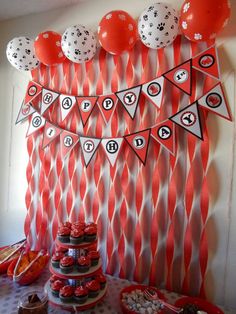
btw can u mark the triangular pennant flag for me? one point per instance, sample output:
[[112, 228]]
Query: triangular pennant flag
[[66, 105], [181, 76], [25, 111], [207, 62], [214, 100], [36, 123], [164, 133], [50, 133], [129, 99], [48, 98], [153, 90], [33, 90], [107, 105], [89, 146], [67, 141], [139, 142], [86, 106], [112, 147], [189, 119]]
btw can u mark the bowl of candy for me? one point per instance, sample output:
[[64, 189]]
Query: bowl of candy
[[33, 302]]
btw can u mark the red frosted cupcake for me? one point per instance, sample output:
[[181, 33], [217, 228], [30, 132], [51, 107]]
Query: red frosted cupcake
[[78, 225], [63, 234], [90, 233], [66, 224], [94, 256], [56, 286], [102, 280], [81, 294], [61, 249], [56, 259], [67, 264], [83, 264], [76, 236], [93, 287], [54, 278], [66, 293]]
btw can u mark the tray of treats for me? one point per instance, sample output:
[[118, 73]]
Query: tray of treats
[[192, 305]]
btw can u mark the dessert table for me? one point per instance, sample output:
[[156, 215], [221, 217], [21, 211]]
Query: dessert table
[[10, 293]]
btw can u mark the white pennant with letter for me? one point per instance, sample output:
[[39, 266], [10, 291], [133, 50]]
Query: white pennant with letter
[[36, 123], [112, 147], [129, 99], [153, 90], [48, 98], [66, 105], [89, 147]]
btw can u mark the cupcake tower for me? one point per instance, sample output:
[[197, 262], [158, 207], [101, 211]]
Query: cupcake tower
[[77, 280]]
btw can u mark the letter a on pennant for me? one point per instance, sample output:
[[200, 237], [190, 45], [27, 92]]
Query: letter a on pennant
[[33, 90], [112, 147], [66, 105], [36, 123], [68, 141], [153, 90], [214, 100], [129, 99], [48, 98], [164, 133], [181, 76], [89, 146], [107, 105], [189, 119], [50, 133], [139, 142], [207, 62], [86, 106]]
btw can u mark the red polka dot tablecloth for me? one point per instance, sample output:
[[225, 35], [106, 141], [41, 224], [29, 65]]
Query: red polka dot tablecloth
[[10, 293]]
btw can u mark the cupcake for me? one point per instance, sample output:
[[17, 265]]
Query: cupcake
[[56, 286], [81, 294], [67, 264], [83, 264], [90, 233], [61, 249], [93, 287], [78, 225], [76, 236], [63, 234], [94, 256], [66, 224], [66, 293], [56, 259], [102, 280], [54, 278]]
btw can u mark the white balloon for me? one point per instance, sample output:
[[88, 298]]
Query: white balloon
[[79, 44], [158, 25], [20, 53]]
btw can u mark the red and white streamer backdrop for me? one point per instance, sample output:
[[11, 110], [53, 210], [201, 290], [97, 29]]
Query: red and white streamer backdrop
[[151, 219]]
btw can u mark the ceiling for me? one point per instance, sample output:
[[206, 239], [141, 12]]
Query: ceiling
[[13, 8]]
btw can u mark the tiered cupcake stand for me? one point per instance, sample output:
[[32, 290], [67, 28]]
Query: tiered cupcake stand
[[76, 278]]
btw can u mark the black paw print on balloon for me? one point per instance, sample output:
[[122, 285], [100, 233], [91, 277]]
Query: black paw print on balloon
[[150, 33], [155, 13], [14, 55], [150, 8], [151, 24], [27, 51], [144, 37], [75, 42], [145, 17], [83, 43], [161, 26], [166, 17], [86, 33], [166, 34], [157, 39], [175, 19], [77, 52], [79, 33], [169, 13], [172, 27]]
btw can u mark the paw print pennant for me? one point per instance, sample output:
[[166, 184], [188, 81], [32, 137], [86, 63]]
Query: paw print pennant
[[189, 119], [33, 90], [25, 111], [129, 99], [153, 90], [181, 76], [164, 133]]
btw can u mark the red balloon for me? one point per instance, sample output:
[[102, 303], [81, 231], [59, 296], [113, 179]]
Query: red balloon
[[117, 32], [201, 20], [47, 47]]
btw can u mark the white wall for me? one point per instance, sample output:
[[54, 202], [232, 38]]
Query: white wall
[[13, 154]]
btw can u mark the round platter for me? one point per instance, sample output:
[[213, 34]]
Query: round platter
[[68, 245], [202, 304], [75, 274], [91, 302]]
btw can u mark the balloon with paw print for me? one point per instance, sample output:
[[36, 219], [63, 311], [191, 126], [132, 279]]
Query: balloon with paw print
[[158, 25], [20, 53], [79, 44]]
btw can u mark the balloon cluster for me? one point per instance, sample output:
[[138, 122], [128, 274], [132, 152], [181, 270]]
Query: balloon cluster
[[157, 27]]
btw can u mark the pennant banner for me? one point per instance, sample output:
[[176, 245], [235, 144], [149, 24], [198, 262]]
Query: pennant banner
[[66, 105], [164, 133], [86, 106], [36, 123], [154, 90], [129, 99], [25, 111], [48, 98], [67, 141], [112, 147], [107, 105], [33, 90], [51, 132], [89, 147]]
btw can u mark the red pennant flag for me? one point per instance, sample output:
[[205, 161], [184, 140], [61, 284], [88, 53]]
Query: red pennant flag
[[36, 123], [107, 105], [50, 133], [189, 119], [164, 133], [181, 76], [33, 90], [207, 62], [67, 141], [214, 100], [86, 106], [139, 142], [25, 111]]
